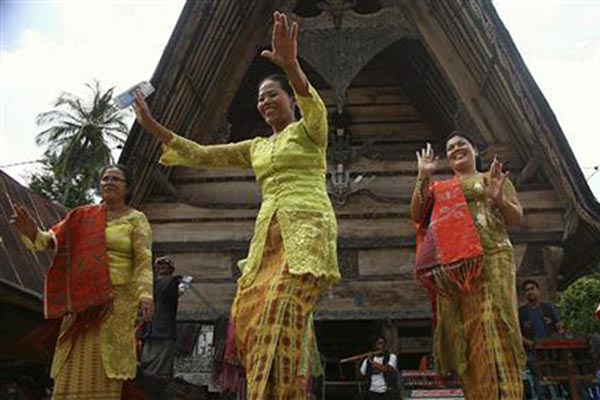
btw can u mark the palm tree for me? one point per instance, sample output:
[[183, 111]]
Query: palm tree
[[45, 184], [81, 134]]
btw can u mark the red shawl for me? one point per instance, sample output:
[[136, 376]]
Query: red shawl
[[449, 256], [78, 278]]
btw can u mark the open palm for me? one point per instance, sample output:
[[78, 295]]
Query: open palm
[[495, 183], [284, 45], [426, 161], [23, 223]]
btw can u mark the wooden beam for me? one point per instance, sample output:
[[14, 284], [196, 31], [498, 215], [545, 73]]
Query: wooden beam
[[415, 345], [552, 257], [519, 251], [326, 315], [528, 171], [456, 69], [163, 182], [381, 242], [571, 222]]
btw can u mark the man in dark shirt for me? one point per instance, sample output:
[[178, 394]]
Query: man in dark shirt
[[158, 349], [538, 321]]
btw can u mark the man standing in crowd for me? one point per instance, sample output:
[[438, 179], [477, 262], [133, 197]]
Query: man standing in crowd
[[380, 370], [158, 349], [538, 321]]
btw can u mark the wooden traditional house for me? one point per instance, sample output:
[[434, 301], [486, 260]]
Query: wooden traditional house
[[394, 74]]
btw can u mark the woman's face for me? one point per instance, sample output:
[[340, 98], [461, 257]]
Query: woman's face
[[461, 154], [113, 186], [275, 105]]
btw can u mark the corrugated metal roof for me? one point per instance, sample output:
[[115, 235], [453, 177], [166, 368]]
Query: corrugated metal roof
[[20, 267]]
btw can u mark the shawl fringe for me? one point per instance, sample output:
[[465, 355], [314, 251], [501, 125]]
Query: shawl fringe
[[449, 255]]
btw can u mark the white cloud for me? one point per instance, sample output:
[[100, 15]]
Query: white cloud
[[560, 42], [119, 43]]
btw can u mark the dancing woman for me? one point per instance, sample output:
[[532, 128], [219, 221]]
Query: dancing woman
[[465, 262], [101, 273], [292, 257]]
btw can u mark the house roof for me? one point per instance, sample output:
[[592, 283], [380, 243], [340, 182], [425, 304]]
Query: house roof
[[214, 44], [22, 271]]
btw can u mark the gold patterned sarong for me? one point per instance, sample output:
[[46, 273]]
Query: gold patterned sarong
[[477, 335], [82, 376], [274, 334]]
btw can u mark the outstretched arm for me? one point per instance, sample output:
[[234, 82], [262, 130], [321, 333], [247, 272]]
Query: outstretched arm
[[187, 153], [33, 237]]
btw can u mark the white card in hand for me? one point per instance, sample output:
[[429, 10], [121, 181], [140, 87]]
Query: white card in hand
[[125, 99]]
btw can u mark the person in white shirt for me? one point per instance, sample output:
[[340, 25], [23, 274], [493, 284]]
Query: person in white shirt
[[380, 370]]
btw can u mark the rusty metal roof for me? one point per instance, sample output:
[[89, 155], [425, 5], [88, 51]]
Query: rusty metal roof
[[21, 268]]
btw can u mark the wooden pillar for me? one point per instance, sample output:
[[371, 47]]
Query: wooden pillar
[[552, 257], [389, 330]]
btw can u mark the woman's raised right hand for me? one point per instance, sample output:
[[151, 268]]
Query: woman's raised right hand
[[23, 223], [426, 162], [142, 112]]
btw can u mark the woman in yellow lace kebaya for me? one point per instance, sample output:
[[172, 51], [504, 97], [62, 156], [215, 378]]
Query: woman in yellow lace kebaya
[[292, 256], [465, 261], [101, 273]]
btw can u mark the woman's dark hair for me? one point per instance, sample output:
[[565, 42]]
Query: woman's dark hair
[[126, 174], [283, 82], [473, 142]]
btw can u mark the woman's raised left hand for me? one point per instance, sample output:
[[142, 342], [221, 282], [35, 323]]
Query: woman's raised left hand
[[494, 183], [284, 44]]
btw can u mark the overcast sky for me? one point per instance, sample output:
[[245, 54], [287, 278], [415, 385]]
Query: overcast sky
[[50, 46]]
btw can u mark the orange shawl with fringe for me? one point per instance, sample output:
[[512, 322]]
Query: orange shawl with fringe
[[449, 255], [78, 279]]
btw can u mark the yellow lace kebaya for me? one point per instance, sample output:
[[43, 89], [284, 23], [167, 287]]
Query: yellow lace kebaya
[[128, 246], [290, 169]]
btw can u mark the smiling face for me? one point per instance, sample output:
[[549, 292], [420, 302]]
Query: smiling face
[[461, 154], [113, 185], [275, 105]]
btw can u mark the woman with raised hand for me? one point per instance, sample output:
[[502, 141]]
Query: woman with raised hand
[[292, 256], [465, 261], [101, 274]]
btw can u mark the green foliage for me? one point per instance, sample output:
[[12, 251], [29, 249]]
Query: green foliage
[[577, 305], [79, 135], [46, 184]]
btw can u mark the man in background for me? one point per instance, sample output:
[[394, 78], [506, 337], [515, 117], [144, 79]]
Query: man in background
[[158, 349], [381, 371], [538, 321]]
